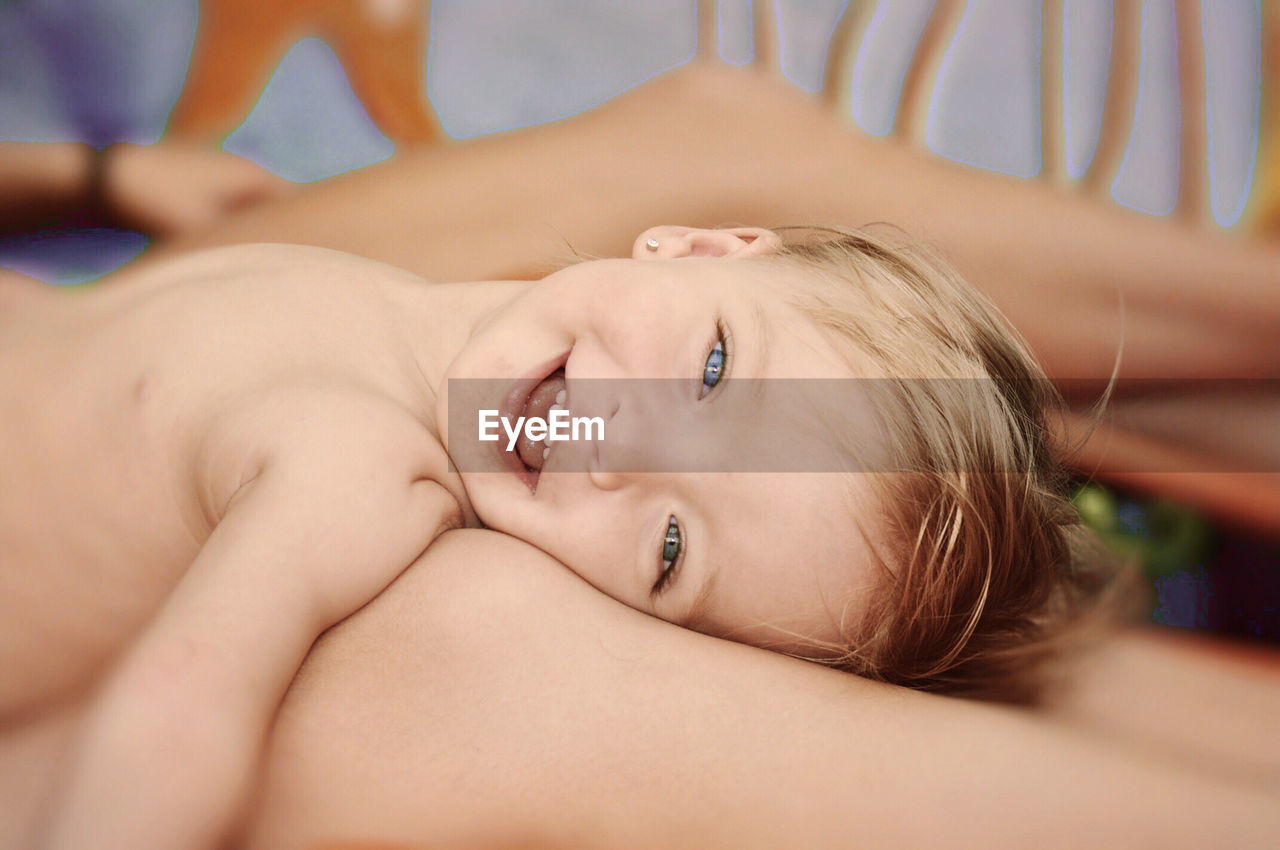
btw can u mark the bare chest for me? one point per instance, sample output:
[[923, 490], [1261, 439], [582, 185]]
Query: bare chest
[[97, 515], [121, 439]]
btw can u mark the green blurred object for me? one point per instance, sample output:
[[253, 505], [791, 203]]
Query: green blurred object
[[1164, 536], [1097, 507]]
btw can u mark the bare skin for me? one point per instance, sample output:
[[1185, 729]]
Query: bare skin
[[262, 466], [103, 434], [569, 720], [572, 713]]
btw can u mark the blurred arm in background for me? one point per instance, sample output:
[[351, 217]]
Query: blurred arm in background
[[165, 189]]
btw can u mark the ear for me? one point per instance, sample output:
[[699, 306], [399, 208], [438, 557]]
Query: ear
[[674, 242]]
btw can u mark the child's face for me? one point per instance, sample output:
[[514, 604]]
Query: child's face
[[752, 556]]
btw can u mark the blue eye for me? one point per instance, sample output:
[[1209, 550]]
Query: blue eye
[[672, 546], [713, 370]]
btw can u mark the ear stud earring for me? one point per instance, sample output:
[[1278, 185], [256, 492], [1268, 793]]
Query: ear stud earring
[[651, 244]]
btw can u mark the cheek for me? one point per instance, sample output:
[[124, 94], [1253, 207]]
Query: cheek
[[593, 546], [634, 316], [514, 513]]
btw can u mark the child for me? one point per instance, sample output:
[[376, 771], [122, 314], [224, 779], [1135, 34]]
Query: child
[[283, 419]]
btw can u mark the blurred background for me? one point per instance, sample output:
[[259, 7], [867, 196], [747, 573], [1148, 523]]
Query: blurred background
[[308, 89], [104, 71]]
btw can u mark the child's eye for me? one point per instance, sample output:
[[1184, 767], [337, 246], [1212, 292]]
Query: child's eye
[[672, 547], [713, 369]]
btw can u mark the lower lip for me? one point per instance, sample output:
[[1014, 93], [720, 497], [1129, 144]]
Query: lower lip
[[513, 406]]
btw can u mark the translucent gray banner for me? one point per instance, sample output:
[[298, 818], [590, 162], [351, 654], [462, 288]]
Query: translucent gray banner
[[857, 425]]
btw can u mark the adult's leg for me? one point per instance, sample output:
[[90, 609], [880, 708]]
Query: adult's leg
[[490, 698], [1206, 703], [709, 145]]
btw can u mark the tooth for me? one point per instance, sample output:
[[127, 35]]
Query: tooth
[[560, 398], [546, 452], [555, 406]]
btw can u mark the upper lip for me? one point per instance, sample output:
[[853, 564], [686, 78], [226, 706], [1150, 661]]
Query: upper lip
[[518, 396]]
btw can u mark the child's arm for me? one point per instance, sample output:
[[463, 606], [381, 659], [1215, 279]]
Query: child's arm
[[170, 749]]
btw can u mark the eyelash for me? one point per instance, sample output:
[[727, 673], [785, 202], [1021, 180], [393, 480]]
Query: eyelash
[[674, 533], [724, 340]]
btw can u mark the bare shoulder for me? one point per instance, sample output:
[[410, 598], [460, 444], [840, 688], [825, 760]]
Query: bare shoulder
[[352, 485], [335, 429], [326, 436]]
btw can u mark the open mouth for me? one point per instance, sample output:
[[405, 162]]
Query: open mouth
[[530, 398]]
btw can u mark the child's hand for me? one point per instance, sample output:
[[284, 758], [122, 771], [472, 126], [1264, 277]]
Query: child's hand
[[171, 188]]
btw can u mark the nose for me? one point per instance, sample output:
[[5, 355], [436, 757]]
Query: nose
[[641, 434], [616, 457], [604, 479], [613, 468]]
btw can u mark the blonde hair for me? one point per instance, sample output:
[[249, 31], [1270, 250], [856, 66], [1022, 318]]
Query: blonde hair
[[989, 579]]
